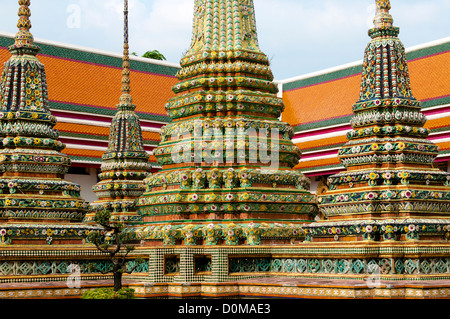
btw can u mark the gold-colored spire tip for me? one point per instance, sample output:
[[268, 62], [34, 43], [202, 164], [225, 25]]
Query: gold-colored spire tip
[[383, 18], [24, 35], [383, 4], [24, 15]]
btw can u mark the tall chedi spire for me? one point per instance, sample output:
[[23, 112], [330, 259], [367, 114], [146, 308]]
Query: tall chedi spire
[[390, 177], [36, 203], [125, 163], [227, 159]]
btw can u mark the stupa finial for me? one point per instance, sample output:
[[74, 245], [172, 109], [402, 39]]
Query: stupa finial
[[126, 99], [383, 18], [24, 23], [24, 36], [384, 4]]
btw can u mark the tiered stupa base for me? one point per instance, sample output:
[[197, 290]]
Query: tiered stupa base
[[224, 207], [302, 270], [364, 270]]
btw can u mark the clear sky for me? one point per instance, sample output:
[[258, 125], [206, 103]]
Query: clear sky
[[299, 36]]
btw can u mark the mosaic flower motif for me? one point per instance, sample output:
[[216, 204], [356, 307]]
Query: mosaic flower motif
[[387, 175], [388, 147], [408, 194], [403, 175]]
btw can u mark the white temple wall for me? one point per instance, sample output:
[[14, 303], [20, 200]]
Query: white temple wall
[[86, 180]]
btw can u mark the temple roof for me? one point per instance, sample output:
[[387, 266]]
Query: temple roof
[[75, 75]]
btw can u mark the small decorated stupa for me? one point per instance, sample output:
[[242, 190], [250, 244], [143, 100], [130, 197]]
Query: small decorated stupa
[[37, 205], [390, 190], [227, 159], [125, 164]]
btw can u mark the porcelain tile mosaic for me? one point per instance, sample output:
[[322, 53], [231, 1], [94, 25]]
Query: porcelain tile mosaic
[[227, 160]]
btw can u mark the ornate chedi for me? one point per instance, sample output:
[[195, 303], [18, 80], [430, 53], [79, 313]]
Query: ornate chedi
[[36, 204], [228, 161], [125, 163], [390, 191]]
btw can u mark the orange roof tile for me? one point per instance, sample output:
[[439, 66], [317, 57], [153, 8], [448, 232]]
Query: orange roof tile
[[4, 55], [98, 130], [438, 123], [317, 163], [323, 101], [83, 153], [95, 85], [444, 146], [429, 76], [338, 140]]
